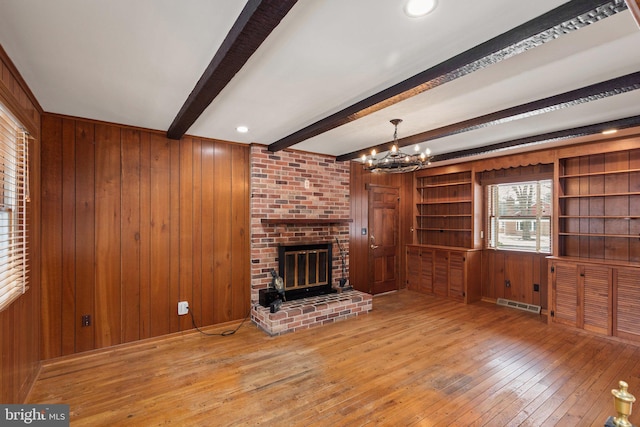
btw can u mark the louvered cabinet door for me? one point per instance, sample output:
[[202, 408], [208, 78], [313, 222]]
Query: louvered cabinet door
[[426, 271], [413, 268], [441, 273], [627, 303], [456, 275], [565, 293], [597, 310]]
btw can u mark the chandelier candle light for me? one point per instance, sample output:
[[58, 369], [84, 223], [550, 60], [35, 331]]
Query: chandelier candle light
[[395, 161]]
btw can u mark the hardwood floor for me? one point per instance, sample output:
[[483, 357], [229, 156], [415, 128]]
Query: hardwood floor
[[414, 360]]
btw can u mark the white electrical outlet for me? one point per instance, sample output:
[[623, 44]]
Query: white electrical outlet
[[183, 308]]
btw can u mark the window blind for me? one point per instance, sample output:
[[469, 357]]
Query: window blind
[[14, 196]]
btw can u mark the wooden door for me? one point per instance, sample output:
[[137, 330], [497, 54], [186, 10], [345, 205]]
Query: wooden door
[[564, 293], [383, 239]]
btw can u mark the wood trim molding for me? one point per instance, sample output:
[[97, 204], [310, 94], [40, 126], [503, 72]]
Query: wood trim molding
[[256, 21], [13, 101], [4, 57]]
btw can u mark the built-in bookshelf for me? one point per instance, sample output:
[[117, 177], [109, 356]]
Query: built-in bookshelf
[[445, 209], [599, 206]]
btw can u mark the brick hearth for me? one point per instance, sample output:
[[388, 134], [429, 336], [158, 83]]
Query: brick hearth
[[310, 312]]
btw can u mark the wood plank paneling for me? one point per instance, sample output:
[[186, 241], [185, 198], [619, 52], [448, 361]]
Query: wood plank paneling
[[174, 260], [108, 187], [196, 242], [523, 270], [160, 251], [68, 315], [145, 236], [85, 248], [208, 240], [240, 247], [131, 271], [186, 227], [222, 235], [51, 260], [136, 223]]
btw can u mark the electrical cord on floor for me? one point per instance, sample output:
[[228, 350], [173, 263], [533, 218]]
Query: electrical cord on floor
[[223, 333]]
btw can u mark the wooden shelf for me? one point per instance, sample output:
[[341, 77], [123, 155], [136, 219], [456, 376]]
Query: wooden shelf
[[439, 202], [626, 217], [304, 221], [619, 236], [444, 209], [446, 216], [445, 229], [573, 196], [582, 175], [447, 184]]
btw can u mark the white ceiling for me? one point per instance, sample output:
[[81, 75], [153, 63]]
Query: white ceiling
[[135, 63]]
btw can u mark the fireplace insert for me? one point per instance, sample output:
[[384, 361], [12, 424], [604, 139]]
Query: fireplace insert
[[306, 269]]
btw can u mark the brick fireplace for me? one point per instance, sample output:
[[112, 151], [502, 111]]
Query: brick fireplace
[[297, 198]]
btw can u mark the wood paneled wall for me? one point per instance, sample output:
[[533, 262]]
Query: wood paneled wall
[[132, 223], [359, 243], [19, 323], [522, 270]]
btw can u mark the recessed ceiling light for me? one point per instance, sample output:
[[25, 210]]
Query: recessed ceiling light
[[242, 129], [609, 131], [418, 8]]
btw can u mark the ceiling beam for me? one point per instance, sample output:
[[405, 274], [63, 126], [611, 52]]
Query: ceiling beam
[[583, 95], [564, 19], [627, 122], [256, 21]]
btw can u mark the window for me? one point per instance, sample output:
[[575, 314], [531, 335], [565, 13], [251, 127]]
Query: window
[[14, 195], [519, 216]]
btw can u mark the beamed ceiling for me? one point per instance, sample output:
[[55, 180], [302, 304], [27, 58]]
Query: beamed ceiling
[[327, 76]]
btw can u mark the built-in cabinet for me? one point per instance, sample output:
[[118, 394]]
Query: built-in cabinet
[[599, 206], [444, 271], [595, 279], [445, 259], [599, 297], [593, 276], [445, 209]]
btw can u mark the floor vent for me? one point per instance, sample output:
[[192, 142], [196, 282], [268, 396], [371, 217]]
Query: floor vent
[[519, 305]]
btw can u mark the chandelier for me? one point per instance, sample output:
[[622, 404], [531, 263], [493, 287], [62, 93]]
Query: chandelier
[[395, 161]]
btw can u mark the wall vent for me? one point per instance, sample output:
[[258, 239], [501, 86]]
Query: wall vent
[[519, 305]]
